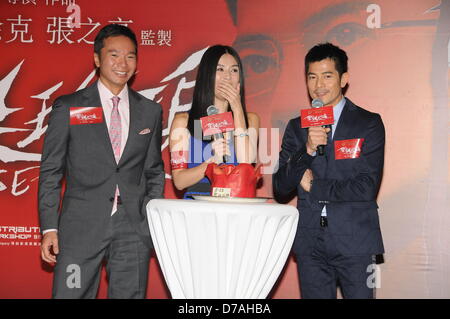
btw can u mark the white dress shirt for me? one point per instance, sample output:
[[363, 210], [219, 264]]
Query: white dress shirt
[[124, 110]]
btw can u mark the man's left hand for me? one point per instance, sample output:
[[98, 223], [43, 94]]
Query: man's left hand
[[305, 183]]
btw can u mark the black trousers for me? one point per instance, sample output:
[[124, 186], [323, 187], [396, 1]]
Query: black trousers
[[325, 269], [77, 271]]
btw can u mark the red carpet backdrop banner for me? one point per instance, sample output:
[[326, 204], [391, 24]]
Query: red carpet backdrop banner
[[398, 65]]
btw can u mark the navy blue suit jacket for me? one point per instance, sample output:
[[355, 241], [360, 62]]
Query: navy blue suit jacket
[[348, 187]]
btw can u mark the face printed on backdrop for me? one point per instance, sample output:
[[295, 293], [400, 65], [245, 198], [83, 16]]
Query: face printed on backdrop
[[273, 46], [390, 49], [398, 67]]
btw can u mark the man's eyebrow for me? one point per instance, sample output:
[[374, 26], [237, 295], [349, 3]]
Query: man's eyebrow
[[409, 23], [253, 37], [330, 12], [115, 50], [326, 72]]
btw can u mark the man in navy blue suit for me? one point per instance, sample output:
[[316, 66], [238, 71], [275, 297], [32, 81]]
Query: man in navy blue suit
[[338, 234]]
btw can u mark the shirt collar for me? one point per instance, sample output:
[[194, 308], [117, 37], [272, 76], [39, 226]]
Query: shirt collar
[[337, 110], [106, 95]]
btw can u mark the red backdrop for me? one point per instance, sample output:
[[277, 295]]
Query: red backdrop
[[398, 58]]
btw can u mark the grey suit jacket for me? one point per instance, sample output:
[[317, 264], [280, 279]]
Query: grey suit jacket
[[83, 156]]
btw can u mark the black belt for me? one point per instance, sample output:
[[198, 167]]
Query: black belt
[[323, 221]]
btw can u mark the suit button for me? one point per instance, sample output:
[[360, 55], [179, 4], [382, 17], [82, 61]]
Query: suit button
[[117, 170], [111, 199]]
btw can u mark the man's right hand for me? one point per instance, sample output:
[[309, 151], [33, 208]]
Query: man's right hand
[[49, 241], [317, 135]]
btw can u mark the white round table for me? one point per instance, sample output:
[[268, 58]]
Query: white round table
[[221, 249]]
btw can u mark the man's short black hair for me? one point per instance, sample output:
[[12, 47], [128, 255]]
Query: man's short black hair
[[113, 30], [327, 51]]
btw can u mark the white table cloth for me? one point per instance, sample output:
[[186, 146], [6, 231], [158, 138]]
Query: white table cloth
[[221, 249]]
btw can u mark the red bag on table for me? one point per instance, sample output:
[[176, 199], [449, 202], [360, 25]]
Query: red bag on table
[[239, 180]]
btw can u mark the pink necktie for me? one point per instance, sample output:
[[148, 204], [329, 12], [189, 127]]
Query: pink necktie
[[115, 128], [115, 135]]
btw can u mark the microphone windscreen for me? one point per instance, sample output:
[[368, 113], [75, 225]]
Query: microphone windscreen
[[316, 103], [212, 110]]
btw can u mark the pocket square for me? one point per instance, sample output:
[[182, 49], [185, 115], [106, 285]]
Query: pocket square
[[144, 131]]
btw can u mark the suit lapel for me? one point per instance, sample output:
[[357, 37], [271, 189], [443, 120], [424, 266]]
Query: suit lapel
[[135, 119], [342, 129], [345, 123], [92, 99]]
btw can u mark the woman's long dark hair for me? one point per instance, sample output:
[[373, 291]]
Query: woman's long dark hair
[[204, 91]]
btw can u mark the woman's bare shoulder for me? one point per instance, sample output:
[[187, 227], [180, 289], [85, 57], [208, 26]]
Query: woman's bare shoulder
[[180, 119]]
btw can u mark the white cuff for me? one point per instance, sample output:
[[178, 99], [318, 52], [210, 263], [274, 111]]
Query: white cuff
[[48, 230]]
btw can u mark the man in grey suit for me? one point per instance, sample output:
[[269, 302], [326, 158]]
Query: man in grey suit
[[105, 141]]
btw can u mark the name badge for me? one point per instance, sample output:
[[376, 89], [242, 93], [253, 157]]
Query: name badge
[[221, 192], [347, 149], [86, 115]]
